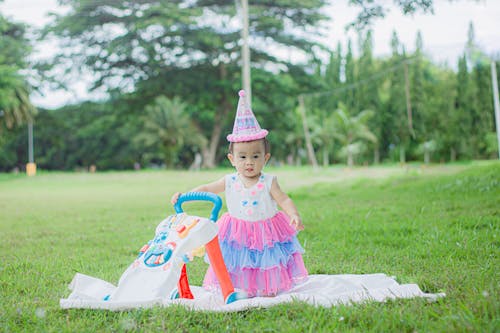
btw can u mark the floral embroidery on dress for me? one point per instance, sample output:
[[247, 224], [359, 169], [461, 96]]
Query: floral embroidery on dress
[[252, 203]]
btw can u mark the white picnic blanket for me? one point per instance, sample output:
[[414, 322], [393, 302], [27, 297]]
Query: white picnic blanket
[[318, 290]]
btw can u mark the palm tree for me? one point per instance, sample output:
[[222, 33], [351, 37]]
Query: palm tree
[[15, 105], [427, 148], [323, 134], [294, 139], [348, 129], [166, 122]]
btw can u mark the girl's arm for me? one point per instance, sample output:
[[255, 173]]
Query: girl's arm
[[286, 204], [215, 187]]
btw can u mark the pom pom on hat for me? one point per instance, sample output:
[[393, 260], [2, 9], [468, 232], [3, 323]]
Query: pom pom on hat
[[246, 127]]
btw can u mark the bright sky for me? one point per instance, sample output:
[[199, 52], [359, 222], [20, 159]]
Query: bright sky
[[444, 33]]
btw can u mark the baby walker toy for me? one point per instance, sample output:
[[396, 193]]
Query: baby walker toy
[[159, 271]]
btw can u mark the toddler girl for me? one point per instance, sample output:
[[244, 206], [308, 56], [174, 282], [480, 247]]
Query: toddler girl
[[258, 242]]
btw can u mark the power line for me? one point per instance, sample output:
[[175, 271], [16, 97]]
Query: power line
[[360, 82]]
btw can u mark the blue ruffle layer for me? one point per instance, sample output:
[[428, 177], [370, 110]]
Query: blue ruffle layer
[[277, 255]]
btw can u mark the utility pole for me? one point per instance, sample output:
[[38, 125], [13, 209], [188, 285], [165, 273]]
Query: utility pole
[[494, 86], [30, 166], [309, 146], [245, 53]]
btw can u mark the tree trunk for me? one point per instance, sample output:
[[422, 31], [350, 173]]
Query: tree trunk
[[205, 152], [209, 152], [453, 154], [310, 150], [376, 155], [326, 161], [350, 159], [196, 162], [402, 155], [427, 157], [298, 158], [170, 156]]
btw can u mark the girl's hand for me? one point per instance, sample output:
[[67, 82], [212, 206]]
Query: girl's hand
[[296, 222], [175, 197]]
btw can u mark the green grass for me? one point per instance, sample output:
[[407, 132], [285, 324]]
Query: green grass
[[437, 227]]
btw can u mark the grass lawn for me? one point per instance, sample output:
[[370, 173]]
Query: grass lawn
[[436, 226]]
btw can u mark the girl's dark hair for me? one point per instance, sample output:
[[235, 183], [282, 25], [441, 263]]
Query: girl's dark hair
[[267, 146]]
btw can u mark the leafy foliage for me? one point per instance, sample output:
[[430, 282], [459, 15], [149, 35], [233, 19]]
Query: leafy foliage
[[15, 106], [152, 53], [139, 46], [167, 125]]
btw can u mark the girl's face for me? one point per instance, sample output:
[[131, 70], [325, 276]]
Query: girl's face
[[249, 158]]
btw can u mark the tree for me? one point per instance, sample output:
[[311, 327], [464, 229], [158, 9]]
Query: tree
[[350, 78], [55, 141], [332, 77], [482, 109], [334, 68], [427, 148], [439, 117], [13, 149], [417, 98], [395, 120], [368, 91], [295, 140], [348, 129], [192, 45], [167, 124], [324, 134], [15, 105], [461, 125], [482, 121]]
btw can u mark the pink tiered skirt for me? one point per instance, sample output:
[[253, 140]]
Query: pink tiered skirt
[[263, 257]]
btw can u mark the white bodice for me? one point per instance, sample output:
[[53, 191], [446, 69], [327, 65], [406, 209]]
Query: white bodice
[[251, 204]]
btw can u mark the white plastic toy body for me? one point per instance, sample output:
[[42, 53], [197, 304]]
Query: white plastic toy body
[[156, 271], [155, 274]]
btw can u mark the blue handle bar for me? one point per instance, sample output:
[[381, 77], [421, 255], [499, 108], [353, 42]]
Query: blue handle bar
[[200, 196]]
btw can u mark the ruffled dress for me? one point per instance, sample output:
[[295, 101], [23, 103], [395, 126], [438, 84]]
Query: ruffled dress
[[258, 244]]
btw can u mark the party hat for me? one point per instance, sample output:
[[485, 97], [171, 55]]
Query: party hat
[[246, 127]]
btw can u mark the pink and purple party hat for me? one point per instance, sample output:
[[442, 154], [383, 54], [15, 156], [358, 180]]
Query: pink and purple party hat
[[246, 127]]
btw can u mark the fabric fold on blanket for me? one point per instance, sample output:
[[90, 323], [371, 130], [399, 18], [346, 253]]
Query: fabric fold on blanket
[[319, 290]]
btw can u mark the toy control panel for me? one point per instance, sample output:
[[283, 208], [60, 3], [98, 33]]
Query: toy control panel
[[181, 230]]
